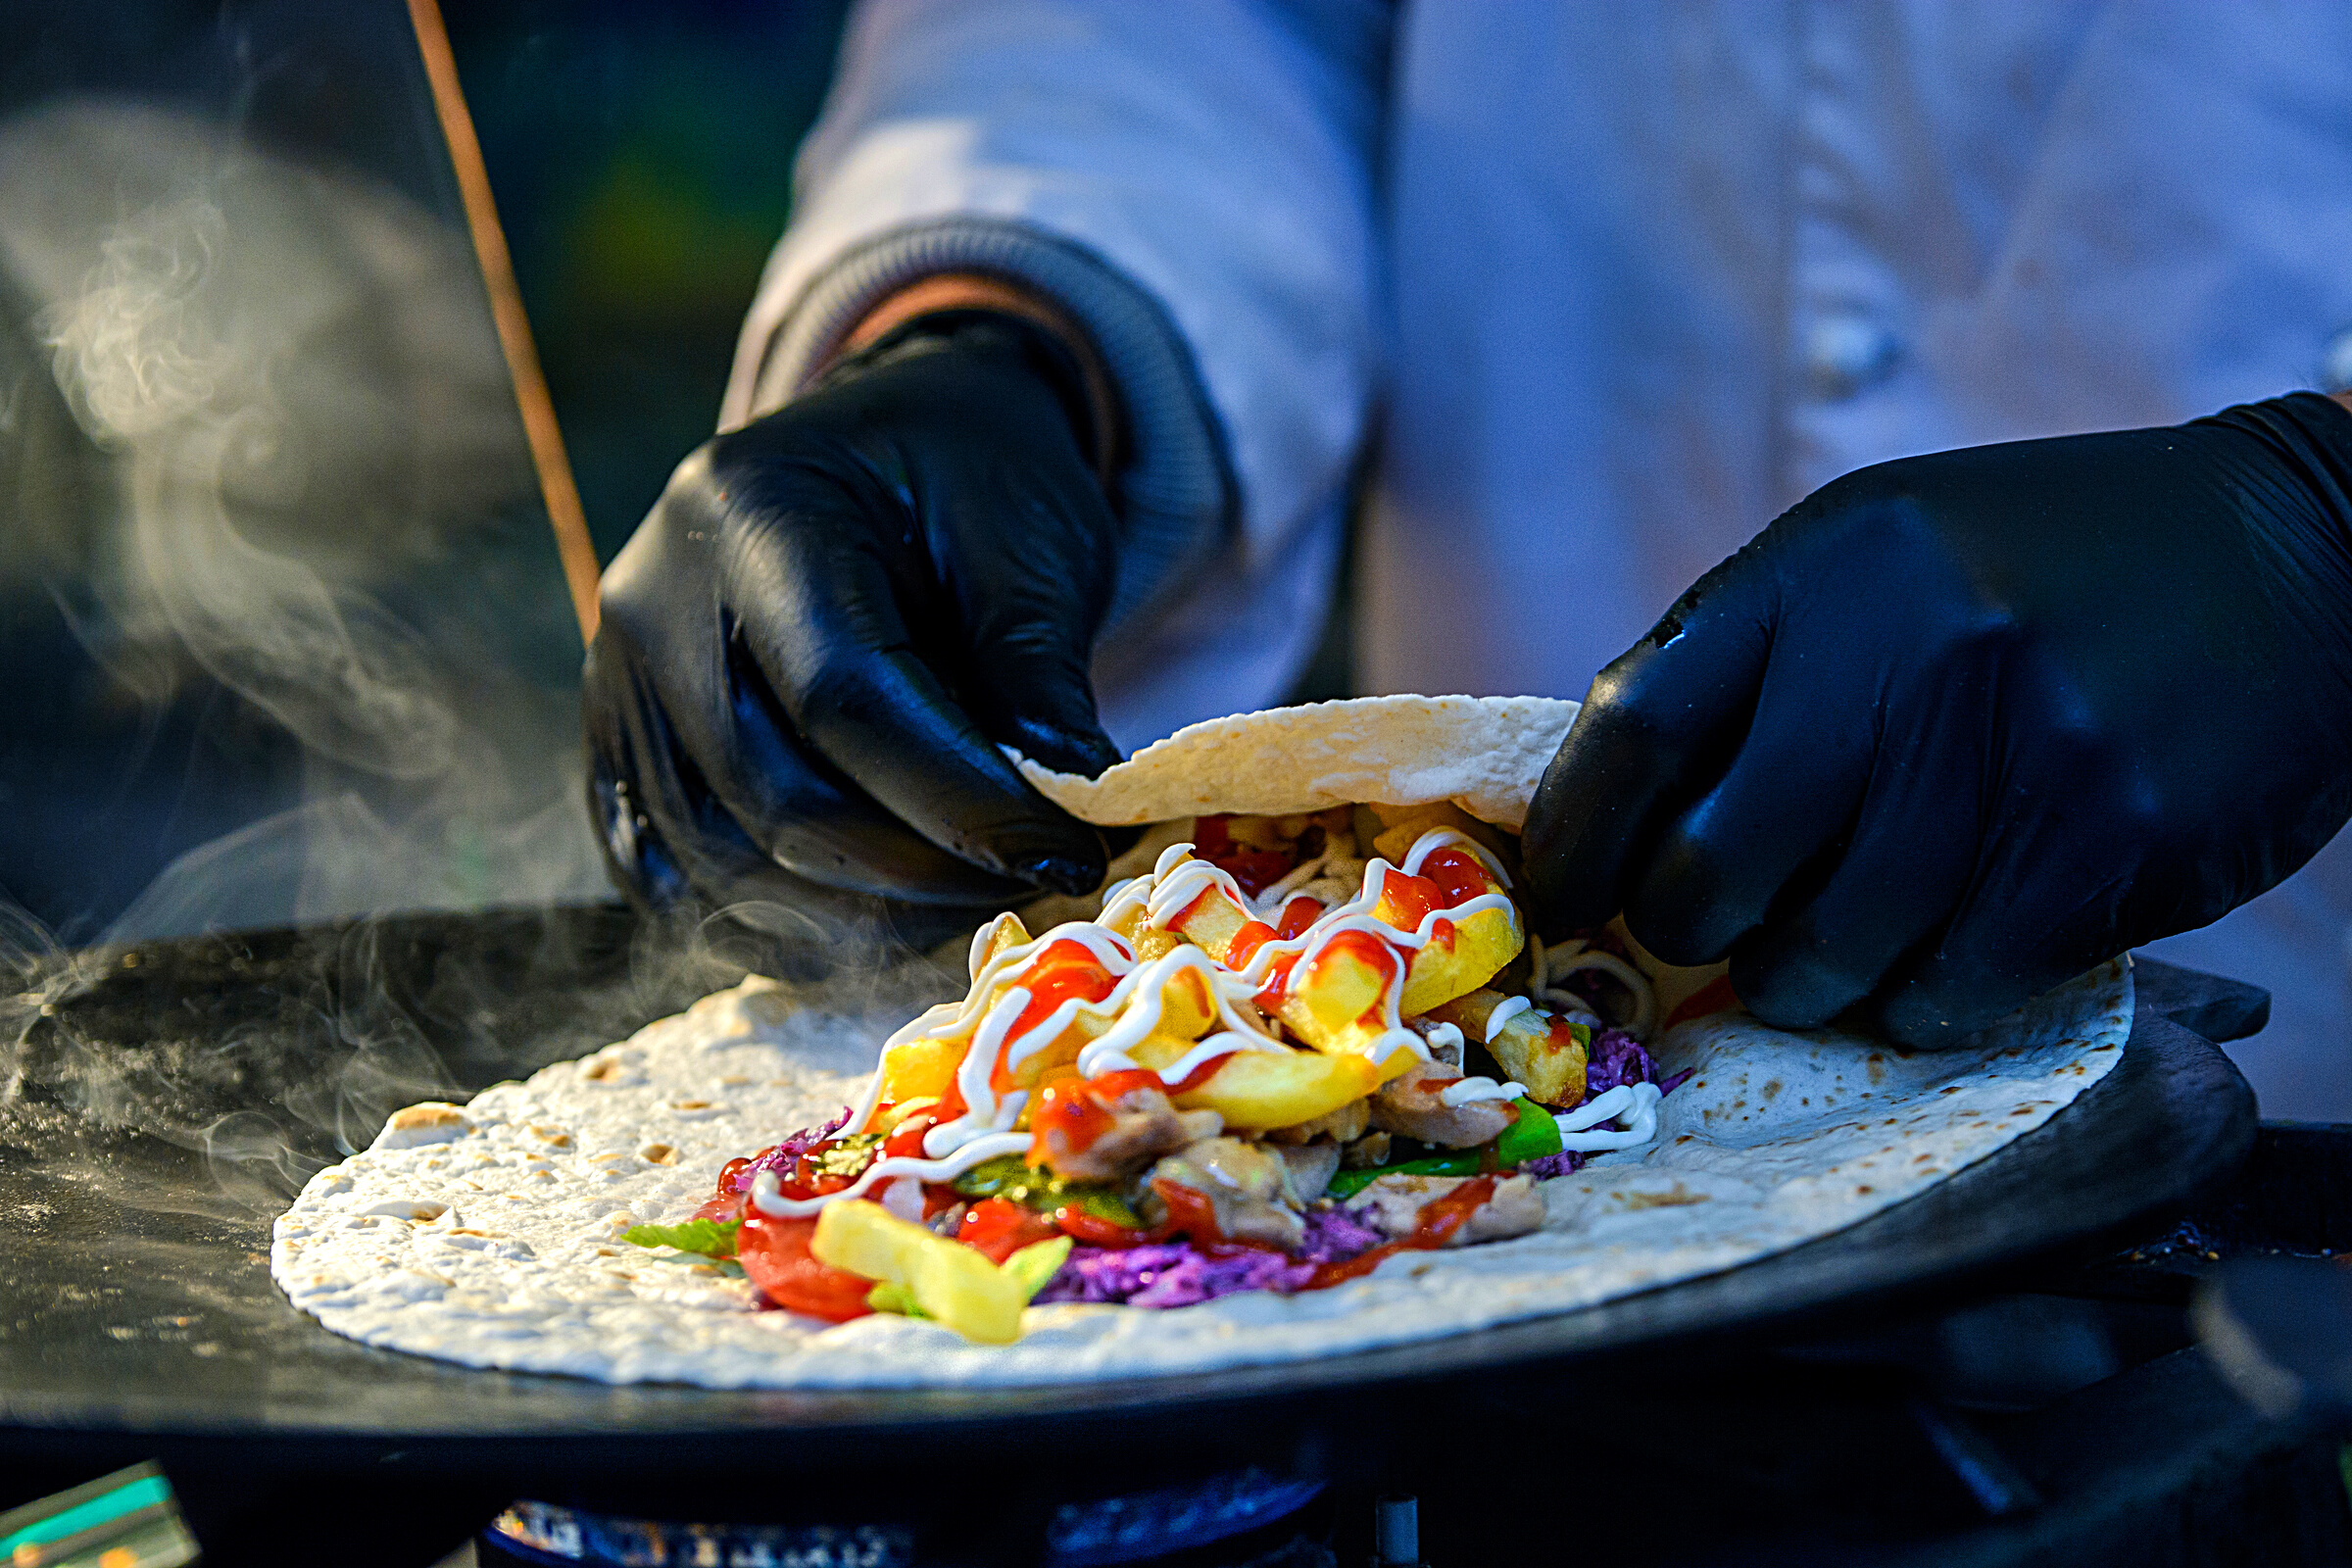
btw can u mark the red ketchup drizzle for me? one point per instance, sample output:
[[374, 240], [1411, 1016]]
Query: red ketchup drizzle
[[1065, 969], [1460, 875], [1277, 982], [1253, 935], [1296, 915], [1079, 1109], [1439, 1221], [1405, 899]]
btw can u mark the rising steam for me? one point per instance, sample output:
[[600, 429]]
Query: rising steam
[[320, 500]]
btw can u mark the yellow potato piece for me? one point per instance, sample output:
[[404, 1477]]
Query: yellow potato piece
[[1210, 923], [947, 1279], [1185, 1012], [1007, 932], [1481, 944], [1553, 1070], [920, 1067], [1057, 1060], [1255, 1090]]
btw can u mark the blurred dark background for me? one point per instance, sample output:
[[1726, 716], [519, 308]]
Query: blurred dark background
[[642, 160], [641, 157]]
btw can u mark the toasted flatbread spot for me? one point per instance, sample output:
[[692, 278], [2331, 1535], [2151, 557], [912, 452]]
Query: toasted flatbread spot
[[414, 1126]]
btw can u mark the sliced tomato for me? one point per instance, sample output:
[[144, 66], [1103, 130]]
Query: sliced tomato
[[774, 1255], [997, 1228], [725, 1207]]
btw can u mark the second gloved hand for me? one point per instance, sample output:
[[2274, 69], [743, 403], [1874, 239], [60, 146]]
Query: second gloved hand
[[1955, 728], [814, 644]]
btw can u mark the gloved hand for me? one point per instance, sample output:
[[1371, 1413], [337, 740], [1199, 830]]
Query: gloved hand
[[813, 643], [1955, 728]]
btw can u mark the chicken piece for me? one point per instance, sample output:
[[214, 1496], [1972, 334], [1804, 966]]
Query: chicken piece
[[1368, 1152], [1249, 1184], [1341, 1126], [1144, 1126], [1444, 1044], [1312, 1166], [1393, 1205], [1408, 1106]]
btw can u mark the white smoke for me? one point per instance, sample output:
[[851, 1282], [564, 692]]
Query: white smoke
[[319, 493]]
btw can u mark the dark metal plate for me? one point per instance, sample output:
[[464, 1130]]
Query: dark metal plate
[[136, 1312]]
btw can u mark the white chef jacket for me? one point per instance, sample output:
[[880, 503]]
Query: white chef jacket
[[1592, 292]]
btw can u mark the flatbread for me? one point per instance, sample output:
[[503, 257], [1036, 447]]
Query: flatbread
[[490, 1234], [499, 1244], [1484, 754]]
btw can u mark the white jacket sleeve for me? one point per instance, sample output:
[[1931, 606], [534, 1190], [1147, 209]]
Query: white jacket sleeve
[[1195, 183]]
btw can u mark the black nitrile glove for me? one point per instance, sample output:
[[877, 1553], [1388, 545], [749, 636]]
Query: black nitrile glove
[[813, 643], [1955, 728]]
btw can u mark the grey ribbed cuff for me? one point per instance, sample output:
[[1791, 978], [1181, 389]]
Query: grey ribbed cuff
[[1174, 495]]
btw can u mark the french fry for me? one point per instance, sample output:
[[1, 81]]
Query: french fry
[[920, 1067], [1482, 946], [1254, 1090], [1544, 1053], [948, 1280]]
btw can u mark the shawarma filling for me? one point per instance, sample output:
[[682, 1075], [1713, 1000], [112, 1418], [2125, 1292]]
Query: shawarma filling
[[1295, 1048]]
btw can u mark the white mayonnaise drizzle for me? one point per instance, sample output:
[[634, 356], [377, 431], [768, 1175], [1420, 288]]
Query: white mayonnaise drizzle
[[1133, 1006], [1442, 1038], [1633, 1106], [1505, 1010], [768, 1196], [1469, 1090]]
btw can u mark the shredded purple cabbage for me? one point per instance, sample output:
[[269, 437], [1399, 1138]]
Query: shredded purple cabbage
[[1178, 1274], [1334, 1235], [1615, 1059], [1169, 1274], [782, 1158], [1545, 1167]]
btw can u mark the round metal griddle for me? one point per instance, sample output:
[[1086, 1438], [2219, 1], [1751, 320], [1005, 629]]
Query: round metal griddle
[[137, 1316]]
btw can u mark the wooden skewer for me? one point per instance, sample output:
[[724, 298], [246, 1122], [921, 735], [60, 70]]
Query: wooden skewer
[[539, 427]]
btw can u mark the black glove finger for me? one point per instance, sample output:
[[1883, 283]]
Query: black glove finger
[[671, 845], [1656, 730], [1904, 870], [820, 618], [663, 834], [1987, 964], [1785, 807], [815, 825], [1030, 686], [2078, 856], [639, 864], [2049, 901]]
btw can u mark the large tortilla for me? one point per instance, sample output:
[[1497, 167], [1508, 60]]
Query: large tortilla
[[491, 1235]]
